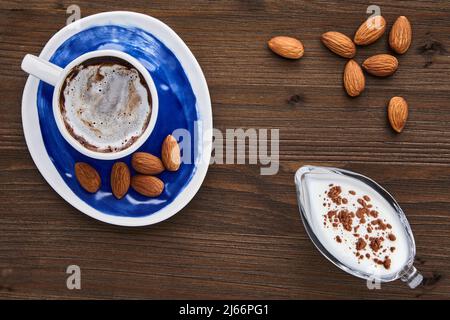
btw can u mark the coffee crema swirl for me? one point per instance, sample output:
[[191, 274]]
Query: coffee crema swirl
[[105, 104]]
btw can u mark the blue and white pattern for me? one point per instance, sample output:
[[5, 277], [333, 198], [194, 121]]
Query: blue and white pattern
[[180, 107]]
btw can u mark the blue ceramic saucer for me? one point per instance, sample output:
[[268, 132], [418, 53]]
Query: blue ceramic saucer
[[184, 103]]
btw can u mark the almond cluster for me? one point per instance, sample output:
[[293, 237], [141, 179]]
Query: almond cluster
[[146, 166], [380, 65]]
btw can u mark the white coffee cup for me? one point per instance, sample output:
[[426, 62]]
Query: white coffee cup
[[56, 76]]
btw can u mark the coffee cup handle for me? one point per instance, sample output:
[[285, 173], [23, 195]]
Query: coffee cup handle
[[42, 69]]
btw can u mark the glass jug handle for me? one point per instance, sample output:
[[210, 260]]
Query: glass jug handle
[[412, 277]]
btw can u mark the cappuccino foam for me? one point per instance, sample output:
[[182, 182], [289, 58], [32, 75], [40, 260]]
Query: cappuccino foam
[[105, 106]]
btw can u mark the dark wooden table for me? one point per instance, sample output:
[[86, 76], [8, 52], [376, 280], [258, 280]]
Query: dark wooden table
[[241, 236]]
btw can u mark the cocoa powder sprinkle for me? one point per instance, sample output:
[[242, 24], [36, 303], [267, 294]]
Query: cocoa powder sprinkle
[[392, 237], [362, 203], [375, 243], [343, 219], [346, 219], [387, 263], [373, 213], [334, 194], [360, 244]]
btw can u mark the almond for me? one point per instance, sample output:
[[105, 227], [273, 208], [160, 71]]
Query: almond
[[339, 43], [120, 179], [147, 185], [370, 31], [87, 177], [381, 65], [400, 36], [286, 47], [146, 163], [170, 153], [354, 81], [397, 113]]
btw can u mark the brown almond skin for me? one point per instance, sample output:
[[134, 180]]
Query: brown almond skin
[[286, 47], [339, 43], [87, 177], [354, 81], [397, 113], [368, 32], [400, 36], [120, 179], [147, 185], [146, 163], [170, 153], [381, 65]]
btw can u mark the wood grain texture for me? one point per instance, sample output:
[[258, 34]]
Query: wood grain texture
[[241, 236]]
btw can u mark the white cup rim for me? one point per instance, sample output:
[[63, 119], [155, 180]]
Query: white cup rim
[[154, 106]]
